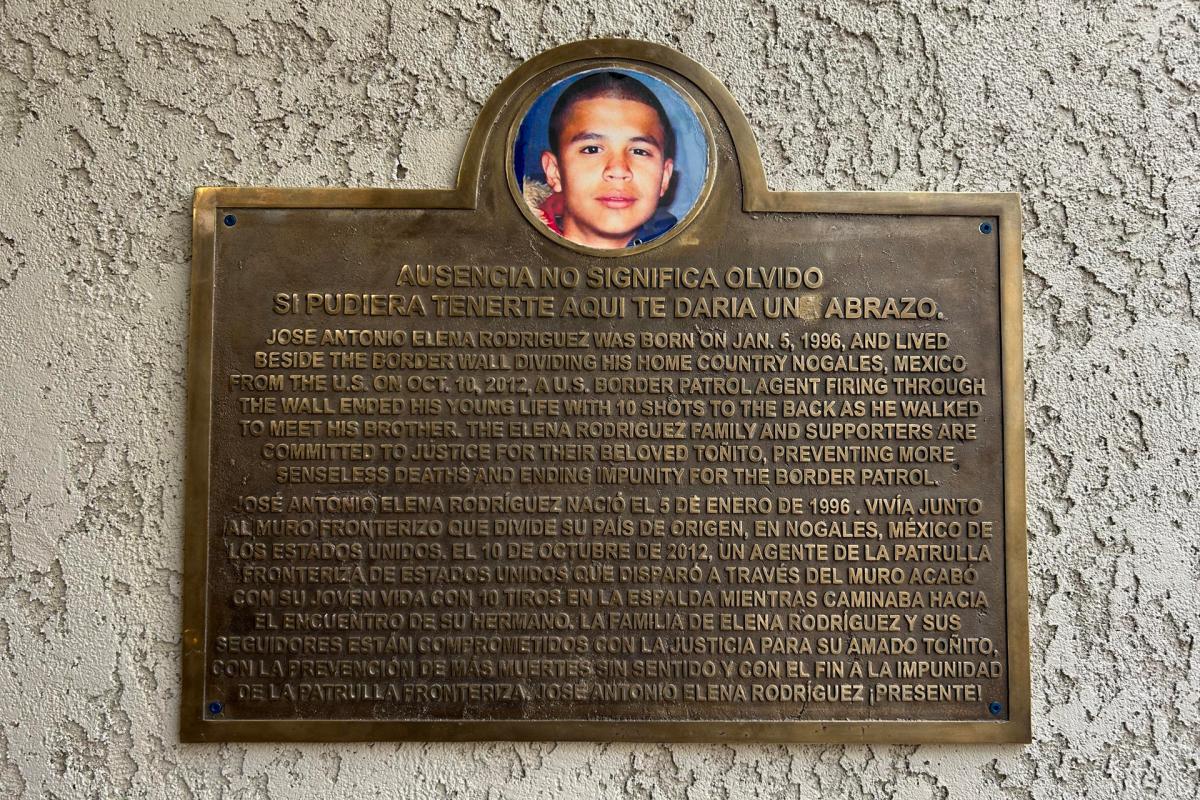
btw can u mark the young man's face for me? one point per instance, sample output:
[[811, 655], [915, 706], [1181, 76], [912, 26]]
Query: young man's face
[[611, 170]]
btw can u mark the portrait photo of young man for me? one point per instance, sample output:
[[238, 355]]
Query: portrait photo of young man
[[609, 171]]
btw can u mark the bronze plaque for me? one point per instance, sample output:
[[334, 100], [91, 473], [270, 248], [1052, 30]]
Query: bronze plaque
[[608, 442]]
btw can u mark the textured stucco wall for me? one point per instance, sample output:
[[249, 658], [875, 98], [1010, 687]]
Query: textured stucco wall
[[111, 112]]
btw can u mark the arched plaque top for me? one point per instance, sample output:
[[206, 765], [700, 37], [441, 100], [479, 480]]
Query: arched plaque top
[[756, 197], [628, 50]]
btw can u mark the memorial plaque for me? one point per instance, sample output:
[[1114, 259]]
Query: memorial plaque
[[609, 442]]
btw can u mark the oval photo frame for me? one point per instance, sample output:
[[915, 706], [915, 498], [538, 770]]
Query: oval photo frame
[[619, 157]]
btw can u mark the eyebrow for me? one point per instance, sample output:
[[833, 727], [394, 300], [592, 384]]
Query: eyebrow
[[586, 136]]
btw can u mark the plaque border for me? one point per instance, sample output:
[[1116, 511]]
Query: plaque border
[[210, 202]]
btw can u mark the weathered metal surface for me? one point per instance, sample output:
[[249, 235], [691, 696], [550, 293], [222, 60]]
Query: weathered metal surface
[[451, 479]]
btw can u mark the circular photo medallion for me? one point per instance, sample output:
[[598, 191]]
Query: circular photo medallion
[[611, 160]]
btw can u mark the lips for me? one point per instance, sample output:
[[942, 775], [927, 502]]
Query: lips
[[616, 200]]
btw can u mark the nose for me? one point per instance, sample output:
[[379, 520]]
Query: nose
[[617, 167]]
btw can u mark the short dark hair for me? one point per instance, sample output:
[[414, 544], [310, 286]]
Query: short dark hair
[[608, 84]]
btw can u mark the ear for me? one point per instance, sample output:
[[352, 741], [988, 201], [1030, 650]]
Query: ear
[[668, 171], [550, 167]]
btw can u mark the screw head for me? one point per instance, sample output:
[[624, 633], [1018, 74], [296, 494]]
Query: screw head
[[995, 708], [215, 707], [985, 227], [230, 220]]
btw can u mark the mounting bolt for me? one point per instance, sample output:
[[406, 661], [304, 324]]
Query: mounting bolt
[[230, 220], [215, 707], [995, 708], [984, 227]]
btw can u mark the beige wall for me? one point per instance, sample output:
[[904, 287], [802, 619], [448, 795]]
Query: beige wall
[[110, 113]]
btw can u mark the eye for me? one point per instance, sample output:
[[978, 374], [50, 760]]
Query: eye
[[641, 151], [590, 149]]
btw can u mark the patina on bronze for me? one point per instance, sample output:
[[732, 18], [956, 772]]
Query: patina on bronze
[[449, 478]]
